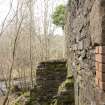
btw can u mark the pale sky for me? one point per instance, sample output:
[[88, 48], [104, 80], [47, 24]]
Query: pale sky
[[5, 5]]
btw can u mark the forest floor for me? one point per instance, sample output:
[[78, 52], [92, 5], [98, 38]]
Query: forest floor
[[15, 100]]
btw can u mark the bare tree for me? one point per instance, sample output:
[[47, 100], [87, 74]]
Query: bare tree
[[13, 53]]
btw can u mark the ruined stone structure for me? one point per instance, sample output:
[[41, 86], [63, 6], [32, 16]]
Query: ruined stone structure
[[49, 76], [53, 87], [85, 40]]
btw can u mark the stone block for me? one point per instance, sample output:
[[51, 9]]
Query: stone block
[[100, 76], [102, 49], [97, 50], [97, 66], [101, 67], [81, 45], [102, 85], [97, 74], [97, 82], [87, 42], [95, 23], [100, 58]]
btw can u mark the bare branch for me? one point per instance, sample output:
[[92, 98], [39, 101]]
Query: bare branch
[[13, 57], [3, 24]]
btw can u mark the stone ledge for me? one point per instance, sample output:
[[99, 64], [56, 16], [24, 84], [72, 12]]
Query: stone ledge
[[54, 61]]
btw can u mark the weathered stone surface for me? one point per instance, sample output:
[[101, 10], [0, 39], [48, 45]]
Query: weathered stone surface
[[86, 23], [95, 23]]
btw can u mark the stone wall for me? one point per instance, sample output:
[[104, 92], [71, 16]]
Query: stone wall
[[49, 76], [85, 34], [53, 86]]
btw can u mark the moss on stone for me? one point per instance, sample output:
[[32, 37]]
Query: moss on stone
[[67, 83], [65, 93]]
